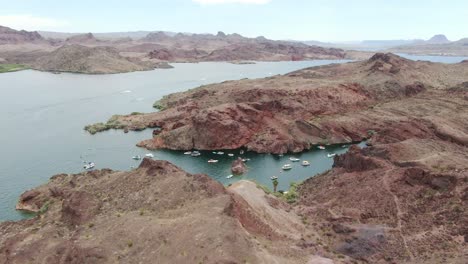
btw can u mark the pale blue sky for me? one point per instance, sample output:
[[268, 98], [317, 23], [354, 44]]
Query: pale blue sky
[[325, 20]]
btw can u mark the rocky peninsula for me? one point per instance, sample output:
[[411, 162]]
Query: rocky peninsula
[[338, 103]]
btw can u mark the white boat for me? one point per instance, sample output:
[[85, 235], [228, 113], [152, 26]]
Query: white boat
[[195, 153], [149, 155], [294, 159], [274, 177], [331, 155], [220, 153], [245, 160], [280, 155], [212, 161], [214, 152], [89, 166], [305, 163], [187, 152], [231, 155], [286, 167], [229, 176], [137, 157], [321, 147]]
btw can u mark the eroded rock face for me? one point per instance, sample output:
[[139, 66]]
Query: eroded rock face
[[354, 160]]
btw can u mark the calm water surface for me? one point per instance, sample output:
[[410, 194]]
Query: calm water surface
[[42, 118]]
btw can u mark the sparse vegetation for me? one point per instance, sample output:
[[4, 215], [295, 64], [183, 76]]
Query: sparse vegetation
[[291, 195], [44, 208], [158, 106], [112, 123], [11, 67], [263, 187]]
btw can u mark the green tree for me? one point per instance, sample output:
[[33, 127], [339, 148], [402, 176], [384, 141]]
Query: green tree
[[275, 184]]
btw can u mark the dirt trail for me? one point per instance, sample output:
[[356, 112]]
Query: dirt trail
[[400, 213]]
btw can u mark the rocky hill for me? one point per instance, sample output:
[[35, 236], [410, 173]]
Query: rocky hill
[[11, 36], [438, 39], [82, 59], [82, 39], [154, 214], [283, 113]]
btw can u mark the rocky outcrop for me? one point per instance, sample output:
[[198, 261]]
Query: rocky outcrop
[[82, 39], [238, 166], [30, 201], [354, 161]]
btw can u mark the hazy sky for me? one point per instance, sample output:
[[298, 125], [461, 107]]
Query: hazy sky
[[325, 20]]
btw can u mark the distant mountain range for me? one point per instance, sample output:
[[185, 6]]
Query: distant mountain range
[[142, 50], [374, 45]]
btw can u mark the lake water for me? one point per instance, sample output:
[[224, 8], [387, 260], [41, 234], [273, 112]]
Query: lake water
[[42, 118]]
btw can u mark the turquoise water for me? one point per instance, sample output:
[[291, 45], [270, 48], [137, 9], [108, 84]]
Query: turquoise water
[[42, 118]]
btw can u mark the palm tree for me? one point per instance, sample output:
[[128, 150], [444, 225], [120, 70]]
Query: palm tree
[[275, 184]]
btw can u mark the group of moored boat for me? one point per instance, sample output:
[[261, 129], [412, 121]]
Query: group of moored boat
[[197, 153], [289, 166]]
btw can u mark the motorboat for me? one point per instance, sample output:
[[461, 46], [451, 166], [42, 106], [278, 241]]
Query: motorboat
[[195, 153], [287, 167], [305, 163], [294, 159], [187, 152], [212, 161], [149, 155], [137, 157], [241, 152], [274, 177], [220, 153], [321, 147], [89, 165], [331, 155], [231, 155], [229, 176]]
